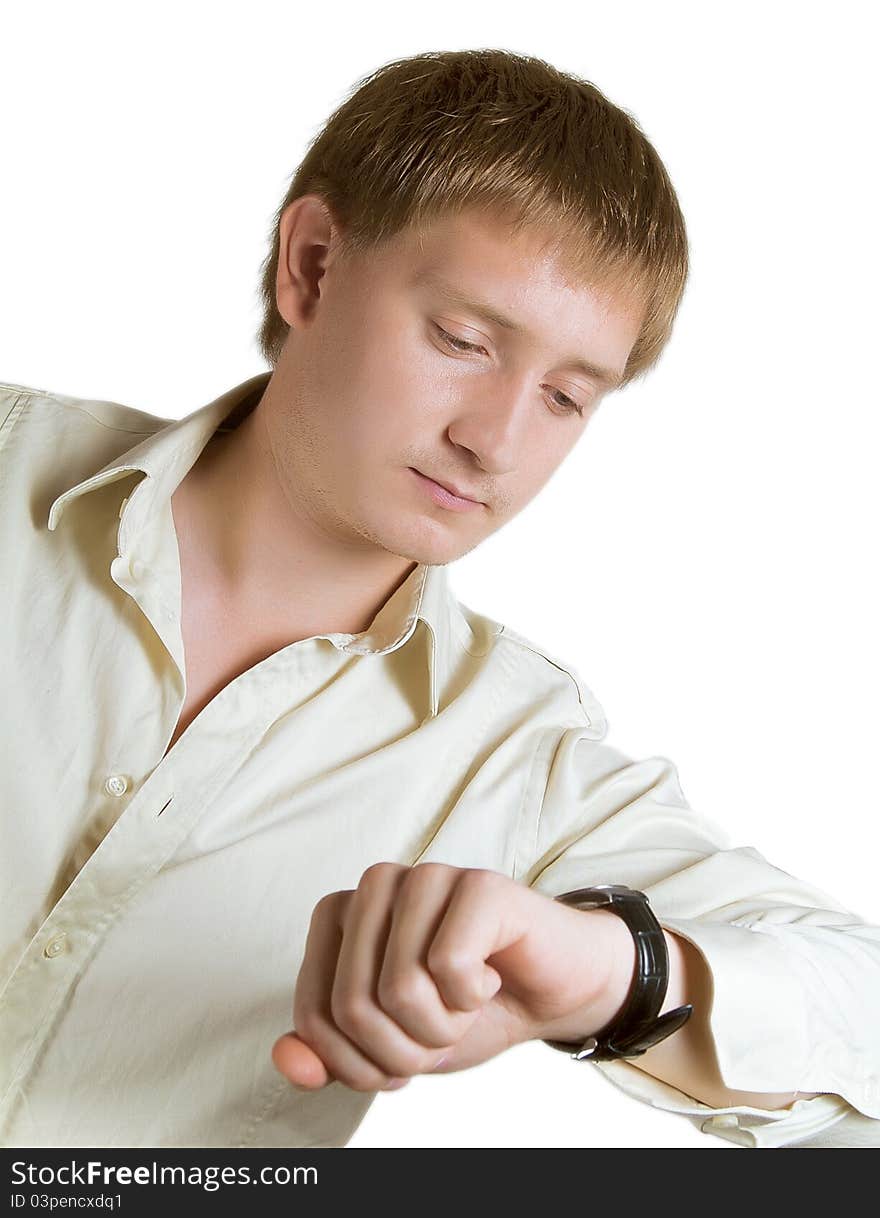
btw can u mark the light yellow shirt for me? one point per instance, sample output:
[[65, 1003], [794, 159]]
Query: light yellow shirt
[[154, 911]]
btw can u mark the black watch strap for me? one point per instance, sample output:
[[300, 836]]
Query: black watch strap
[[639, 1025]]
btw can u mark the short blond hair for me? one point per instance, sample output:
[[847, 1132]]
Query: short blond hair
[[510, 134]]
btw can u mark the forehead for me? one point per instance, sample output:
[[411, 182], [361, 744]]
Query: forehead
[[486, 241], [480, 251]]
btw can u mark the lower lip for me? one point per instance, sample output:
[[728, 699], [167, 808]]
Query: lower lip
[[444, 497]]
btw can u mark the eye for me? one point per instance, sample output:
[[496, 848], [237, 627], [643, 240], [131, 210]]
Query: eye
[[457, 344], [568, 405]]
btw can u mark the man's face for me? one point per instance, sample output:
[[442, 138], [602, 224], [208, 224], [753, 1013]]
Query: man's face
[[393, 378]]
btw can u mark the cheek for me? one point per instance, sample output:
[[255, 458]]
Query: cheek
[[382, 385], [545, 459], [400, 378]]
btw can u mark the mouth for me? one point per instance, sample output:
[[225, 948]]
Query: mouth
[[446, 495]]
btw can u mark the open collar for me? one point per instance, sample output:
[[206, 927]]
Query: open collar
[[166, 456]]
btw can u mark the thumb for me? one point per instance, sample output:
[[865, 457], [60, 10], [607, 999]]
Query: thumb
[[299, 1063]]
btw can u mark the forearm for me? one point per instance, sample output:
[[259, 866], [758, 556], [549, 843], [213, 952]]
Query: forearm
[[685, 1059]]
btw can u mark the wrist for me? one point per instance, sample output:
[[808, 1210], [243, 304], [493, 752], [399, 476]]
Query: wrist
[[617, 948]]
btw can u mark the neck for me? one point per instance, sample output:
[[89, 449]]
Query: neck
[[269, 559]]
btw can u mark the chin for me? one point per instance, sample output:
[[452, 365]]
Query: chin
[[421, 545], [433, 556]]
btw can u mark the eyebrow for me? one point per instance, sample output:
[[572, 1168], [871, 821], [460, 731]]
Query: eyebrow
[[482, 308]]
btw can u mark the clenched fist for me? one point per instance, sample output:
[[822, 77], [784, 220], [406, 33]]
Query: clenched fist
[[433, 964]]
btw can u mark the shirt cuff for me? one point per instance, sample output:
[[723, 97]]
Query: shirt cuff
[[800, 1122], [763, 1043], [775, 1024]]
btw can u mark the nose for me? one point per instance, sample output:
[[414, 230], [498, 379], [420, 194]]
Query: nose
[[491, 423]]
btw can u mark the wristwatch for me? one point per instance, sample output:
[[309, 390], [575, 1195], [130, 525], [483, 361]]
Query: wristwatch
[[638, 1026]]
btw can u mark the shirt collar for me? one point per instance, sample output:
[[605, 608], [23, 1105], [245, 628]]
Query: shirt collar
[[166, 456]]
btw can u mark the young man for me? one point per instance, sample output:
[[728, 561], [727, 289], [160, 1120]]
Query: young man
[[285, 821]]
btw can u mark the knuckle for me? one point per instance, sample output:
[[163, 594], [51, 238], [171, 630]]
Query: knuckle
[[403, 992], [327, 904], [481, 878], [447, 961], [378, 873], [358, 1078], [422, 871], [352, 1013], [310, 1026], [374, 1081], [364, 1078]]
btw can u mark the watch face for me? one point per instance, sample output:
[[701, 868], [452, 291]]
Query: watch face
[[623, 890], [601, 894], [584, 898]]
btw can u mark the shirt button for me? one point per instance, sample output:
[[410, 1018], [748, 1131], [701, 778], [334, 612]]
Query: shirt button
[[116, 784], [725, 1120], [55, 946], [136, 567]]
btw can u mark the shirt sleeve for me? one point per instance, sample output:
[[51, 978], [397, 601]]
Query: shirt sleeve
[[795, 975]]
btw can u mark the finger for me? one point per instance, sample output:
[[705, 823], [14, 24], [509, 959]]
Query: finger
[[355, 1004], [486, 915], [406, 990], [313, 1019]]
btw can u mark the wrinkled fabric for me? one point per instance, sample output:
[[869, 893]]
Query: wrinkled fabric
[[155, 909]]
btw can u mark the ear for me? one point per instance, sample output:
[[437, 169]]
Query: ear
[[308, 238]]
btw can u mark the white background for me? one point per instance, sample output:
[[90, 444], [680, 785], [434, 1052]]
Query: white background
[[706, 557]]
